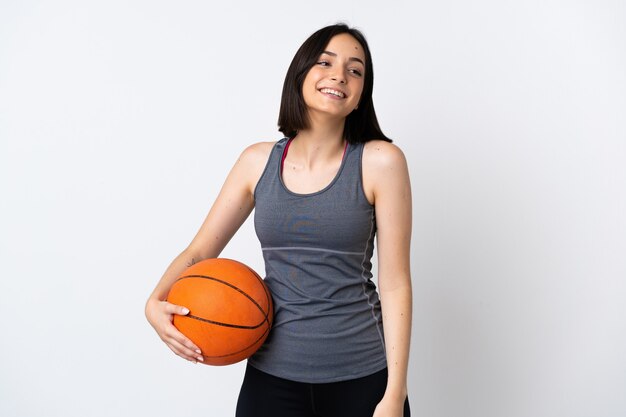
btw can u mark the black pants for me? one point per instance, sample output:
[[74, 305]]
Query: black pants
[[264, 395]]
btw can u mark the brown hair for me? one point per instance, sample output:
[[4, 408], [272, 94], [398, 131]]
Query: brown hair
[[361, 124]]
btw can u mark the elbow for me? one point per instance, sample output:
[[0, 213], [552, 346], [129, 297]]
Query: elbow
[[399, 283]]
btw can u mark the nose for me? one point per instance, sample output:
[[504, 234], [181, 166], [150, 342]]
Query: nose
[[339, 77]]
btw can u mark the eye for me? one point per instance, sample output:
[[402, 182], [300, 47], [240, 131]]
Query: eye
[[356, 72], [323, 63]]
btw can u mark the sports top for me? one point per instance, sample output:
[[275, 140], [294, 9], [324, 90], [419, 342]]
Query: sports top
[[317, 249]]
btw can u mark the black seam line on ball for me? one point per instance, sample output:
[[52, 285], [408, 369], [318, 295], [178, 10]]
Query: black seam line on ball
[[239, 351], [219, 323], [234, 288], [265, 290]]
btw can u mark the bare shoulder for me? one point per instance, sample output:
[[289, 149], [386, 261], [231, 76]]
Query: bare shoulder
[[380, 156], [254, 157], [384, 167], [257, 153], [251, 163]]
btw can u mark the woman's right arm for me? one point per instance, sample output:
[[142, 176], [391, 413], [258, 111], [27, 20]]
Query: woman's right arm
[[230, 209]]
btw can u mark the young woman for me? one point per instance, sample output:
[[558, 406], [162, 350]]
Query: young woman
[[320, 194]]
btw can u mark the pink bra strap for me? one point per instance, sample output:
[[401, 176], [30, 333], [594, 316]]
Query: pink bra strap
[[282, 160]]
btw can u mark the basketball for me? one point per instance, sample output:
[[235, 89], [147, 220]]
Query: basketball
[[230, 309]]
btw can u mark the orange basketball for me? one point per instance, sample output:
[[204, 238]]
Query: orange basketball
[[230, 309]]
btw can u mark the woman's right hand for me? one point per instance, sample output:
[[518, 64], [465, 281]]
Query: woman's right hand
[[160, 314]]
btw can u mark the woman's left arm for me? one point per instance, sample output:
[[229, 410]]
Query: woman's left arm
[[386, 180]]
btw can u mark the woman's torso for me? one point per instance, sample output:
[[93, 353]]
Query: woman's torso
[[317, 249]]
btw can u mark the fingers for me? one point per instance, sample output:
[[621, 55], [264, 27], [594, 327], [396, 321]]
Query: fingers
[[183, 350], [172, 337], [175, 309]]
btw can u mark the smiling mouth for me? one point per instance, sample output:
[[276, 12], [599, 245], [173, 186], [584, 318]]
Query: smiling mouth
[[336, 93]]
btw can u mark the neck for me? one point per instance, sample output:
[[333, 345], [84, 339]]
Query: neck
[[323, 130], [320, 142]]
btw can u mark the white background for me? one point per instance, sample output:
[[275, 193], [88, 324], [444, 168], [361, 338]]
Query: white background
[[120, 119]]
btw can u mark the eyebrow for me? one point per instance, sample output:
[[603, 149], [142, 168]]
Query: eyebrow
[[353, 58]]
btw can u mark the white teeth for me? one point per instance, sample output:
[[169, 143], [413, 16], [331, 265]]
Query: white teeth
[[333, 92]]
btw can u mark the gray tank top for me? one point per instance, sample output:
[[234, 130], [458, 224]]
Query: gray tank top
[[317, 249]]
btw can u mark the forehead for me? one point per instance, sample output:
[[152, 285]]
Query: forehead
[[346, 44]]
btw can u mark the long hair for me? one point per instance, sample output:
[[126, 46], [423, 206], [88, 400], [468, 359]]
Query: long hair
[[361, 124]]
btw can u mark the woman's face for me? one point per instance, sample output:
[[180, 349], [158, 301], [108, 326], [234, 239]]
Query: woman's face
[[333, 86]]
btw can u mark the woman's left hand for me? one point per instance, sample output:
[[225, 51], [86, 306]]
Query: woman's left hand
[[389, 407]]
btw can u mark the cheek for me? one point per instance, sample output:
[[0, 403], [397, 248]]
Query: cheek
[[312, 76], [309, 83], [307, 87], [359, 94]]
